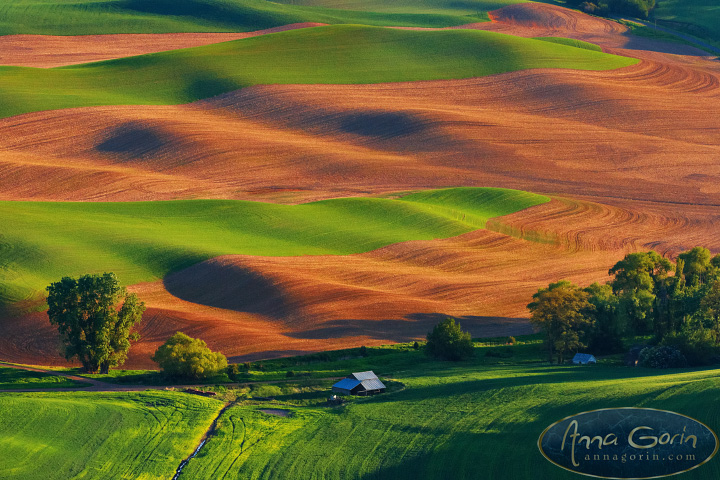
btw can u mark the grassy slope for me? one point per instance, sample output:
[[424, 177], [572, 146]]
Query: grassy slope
[[13, 378], [701, 13], [333, 55], [93, 435], [572, 42], [83, 17], [143, 241], [446, 7], [450, 418]]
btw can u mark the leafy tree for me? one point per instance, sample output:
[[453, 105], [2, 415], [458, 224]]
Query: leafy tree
[[94, 316], [183, 356], [696, 265], [562, 312], [710, 310], [448, 341], [608, 327], [639, 278]]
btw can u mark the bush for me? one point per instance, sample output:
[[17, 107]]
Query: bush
[[363, 351], [416, 345], [662, 356], [448, 341], [182, 356], [698, 346], [511, 340], [289, 373]]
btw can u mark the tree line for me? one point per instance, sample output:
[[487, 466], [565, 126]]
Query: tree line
[[677, 304]]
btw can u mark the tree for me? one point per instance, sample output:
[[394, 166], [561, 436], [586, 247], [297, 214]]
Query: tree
[[448, 341], [639, 278], [608, 327], [696, 265], [183, 356], [562, 312], [94, 316]]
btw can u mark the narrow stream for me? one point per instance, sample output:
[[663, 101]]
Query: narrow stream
[[203, 441]]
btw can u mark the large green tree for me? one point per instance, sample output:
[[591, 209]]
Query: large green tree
[[184, 356], [640, 284], [95, 316], [562, 311], [449, 341]]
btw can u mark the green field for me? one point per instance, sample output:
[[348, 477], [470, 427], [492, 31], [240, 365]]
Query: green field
[[444, 7], [100, 436], [462, 418], [83, 17], [142, 241], [347, 54], [571, 42], [13, 378], [697, 17], [437, 417]]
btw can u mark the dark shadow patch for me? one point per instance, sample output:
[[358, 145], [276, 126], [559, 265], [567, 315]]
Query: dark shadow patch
[[413, 327], [134, 140], [382, 125], [207, 85], [229, 287]]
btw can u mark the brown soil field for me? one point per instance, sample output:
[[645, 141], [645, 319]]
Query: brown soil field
[[47, 51], [630, 156], [261, 307]]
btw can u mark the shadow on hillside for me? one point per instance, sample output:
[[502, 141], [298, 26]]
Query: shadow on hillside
[[382, 125], [134, 141], [413, 327], [231, 287]]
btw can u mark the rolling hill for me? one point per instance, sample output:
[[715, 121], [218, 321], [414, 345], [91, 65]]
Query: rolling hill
[[322, 55]]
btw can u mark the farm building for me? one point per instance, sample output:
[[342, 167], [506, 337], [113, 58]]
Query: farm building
[[361, 383], [583, 359]]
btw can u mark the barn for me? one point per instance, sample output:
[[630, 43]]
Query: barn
[[360, 383], [583, 359]]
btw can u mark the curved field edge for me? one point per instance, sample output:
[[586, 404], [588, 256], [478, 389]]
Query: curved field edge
[[92, 17], [347, 54], [143, 241], [100, 435], [448, 418]]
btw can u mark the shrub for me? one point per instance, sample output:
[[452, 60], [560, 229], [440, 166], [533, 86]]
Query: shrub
[[416, 345], [233, 371], [363, 351], [448, 341], [697, 346], [511, 340], [289, 373], [662, 356], [183, 356]]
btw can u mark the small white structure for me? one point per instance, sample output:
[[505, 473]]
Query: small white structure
[[583, 359]]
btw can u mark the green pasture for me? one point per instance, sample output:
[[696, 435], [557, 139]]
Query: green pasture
[[438, 419], [105, 436], [442, 7], [462, 421], [697, 17], [84, 17], [347, 54], [13, 378], [141, 241]]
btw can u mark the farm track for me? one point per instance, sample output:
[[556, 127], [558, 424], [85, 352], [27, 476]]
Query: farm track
[[630, 156]]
